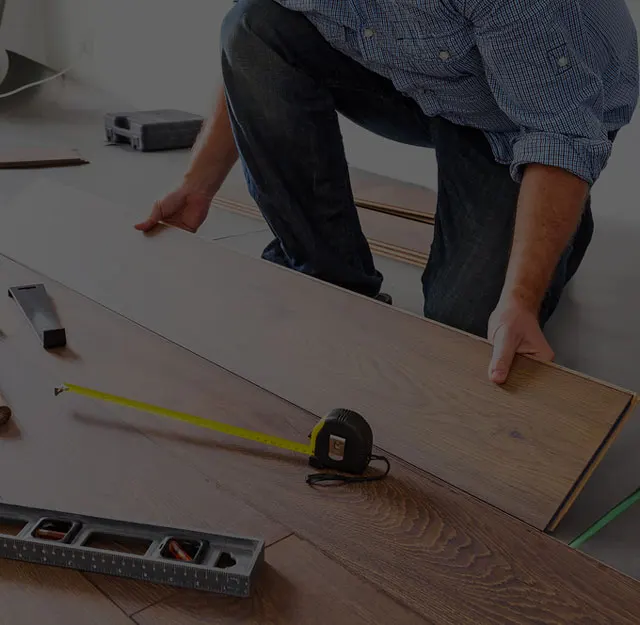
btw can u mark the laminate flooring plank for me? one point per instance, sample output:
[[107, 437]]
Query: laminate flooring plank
[[370, 190], [526, 447], [32, 594], [393, 196], [299, 586], [36, 157], [394, 237], [53, 455], [449, 557], [402, 234]]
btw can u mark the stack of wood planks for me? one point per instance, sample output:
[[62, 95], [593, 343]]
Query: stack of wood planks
[[396, 217], [456, 535]]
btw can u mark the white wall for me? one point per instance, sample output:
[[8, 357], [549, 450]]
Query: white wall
[[23, 28], [175, 63]]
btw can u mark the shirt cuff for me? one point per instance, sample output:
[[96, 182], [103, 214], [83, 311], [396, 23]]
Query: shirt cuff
[[585, 158]]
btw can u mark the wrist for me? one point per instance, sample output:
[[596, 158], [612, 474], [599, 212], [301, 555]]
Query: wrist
[[198, 184], [521, 298], [207, 173]]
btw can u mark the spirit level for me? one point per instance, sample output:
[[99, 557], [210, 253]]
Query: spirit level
[[217, 563]]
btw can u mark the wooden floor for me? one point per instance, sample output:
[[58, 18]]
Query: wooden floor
[[526, 448], [411, 549]]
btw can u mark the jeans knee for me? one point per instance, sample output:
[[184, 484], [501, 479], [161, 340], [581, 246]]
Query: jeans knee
[[248, 18]]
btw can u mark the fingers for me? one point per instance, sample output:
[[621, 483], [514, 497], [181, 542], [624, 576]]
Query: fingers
[[505, 345], [152, 221], [179, 223]]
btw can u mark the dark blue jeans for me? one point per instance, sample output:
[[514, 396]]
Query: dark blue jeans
[[285, 85]]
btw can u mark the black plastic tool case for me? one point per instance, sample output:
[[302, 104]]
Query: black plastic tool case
[[164, 129]]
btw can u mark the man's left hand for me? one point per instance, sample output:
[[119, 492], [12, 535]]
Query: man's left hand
[[514, 329]]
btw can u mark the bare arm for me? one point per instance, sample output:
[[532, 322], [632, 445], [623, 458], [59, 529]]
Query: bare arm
[[549, 210], [214, 153], [213, 156]]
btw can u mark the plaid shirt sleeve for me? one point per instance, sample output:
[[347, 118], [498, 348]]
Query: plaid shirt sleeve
[[542, 76]]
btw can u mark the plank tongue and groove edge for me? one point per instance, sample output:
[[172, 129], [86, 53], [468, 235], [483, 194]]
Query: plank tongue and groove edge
[[526, 448]]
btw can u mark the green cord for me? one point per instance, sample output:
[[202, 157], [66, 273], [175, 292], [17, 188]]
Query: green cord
[[606, 519]]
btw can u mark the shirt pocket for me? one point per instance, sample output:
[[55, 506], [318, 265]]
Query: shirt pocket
[[453, 54]]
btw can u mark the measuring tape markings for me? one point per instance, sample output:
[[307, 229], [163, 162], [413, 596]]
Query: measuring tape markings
[[217, 426], [342, 440]]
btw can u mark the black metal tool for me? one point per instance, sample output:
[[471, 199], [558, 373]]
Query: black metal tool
[[5, 410], [35, 303]]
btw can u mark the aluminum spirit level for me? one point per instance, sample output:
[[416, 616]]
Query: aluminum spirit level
[[217, 563]]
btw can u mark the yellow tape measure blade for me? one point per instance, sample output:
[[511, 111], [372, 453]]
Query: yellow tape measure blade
[[216, 426]]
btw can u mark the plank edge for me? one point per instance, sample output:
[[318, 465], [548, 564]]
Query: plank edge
[[593, 464]]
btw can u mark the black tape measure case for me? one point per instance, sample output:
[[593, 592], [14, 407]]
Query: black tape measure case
[[344, 442]]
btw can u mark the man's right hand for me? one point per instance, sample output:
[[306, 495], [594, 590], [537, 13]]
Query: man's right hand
[[183, 208]]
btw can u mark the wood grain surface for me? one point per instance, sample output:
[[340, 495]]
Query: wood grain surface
[[525, 447], [299, 586], [54, 457], [447, 556], [32, 594]]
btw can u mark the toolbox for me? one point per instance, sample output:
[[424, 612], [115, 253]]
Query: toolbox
[[163, 129]]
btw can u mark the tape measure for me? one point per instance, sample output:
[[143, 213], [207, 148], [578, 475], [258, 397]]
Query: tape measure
[[340, 441]]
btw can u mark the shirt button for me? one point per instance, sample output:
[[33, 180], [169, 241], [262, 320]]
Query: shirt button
[[563, 61], [444, 55], [368, 32]]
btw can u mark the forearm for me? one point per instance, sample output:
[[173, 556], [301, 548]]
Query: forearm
[[549, 209], [215, 152]]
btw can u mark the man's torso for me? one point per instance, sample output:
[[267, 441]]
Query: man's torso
[[428, 49]]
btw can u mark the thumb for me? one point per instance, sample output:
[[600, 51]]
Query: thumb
[[505, 346], [153, 219]]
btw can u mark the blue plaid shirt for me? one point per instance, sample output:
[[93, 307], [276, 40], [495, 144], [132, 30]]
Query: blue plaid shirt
[[546, 80]]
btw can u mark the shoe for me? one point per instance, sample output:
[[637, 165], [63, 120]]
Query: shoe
[[385, 298]]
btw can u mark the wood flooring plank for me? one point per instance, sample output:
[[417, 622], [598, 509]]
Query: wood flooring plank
[[36, 157], [446, 555], [403, 234], [390, 236], [523, 447], [370, 190], [53, 455], [31, 594], [300, 585], [386, 194]]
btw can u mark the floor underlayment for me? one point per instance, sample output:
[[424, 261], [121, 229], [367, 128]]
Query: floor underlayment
[[595, 329]]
